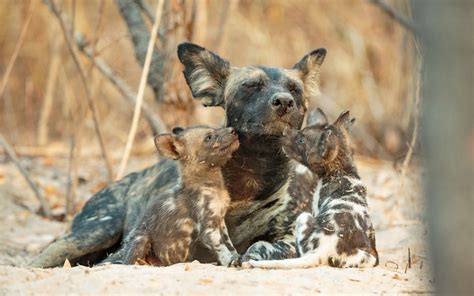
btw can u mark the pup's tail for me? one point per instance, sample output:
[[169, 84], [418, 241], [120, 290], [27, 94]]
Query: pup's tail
[[301, 262]]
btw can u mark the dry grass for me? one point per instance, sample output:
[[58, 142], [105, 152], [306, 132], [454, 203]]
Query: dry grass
[[369, 67]]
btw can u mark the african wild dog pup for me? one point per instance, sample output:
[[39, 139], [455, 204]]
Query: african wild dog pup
[[339, 232], [193, 210]]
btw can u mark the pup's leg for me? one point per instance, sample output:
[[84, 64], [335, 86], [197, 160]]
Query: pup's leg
[[262, 250], [236, 259], [306, 232], [213, 239], [137, 247]]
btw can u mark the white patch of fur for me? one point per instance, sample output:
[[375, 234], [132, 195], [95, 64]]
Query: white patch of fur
[[356, 260], [313, 258], [301, 169], [316, 196]]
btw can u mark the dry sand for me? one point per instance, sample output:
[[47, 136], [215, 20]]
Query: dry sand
[[395, 204]]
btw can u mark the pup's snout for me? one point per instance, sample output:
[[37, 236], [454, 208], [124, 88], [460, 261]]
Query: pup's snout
[[281, 102], [232, 131]]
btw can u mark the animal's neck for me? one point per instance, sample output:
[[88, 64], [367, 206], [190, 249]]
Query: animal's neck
[[201, 176], [340, 167], [257, 169]]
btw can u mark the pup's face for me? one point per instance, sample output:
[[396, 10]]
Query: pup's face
[[320, 144], [258, 100], [199, 146]]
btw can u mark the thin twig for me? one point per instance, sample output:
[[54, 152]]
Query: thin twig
[[416, 112], [141, 90], [156, 124], [45, 211], [395, 16], [69, 42], [49, 95], [19, 43], [409, 258], [139, 34], [95, 37]]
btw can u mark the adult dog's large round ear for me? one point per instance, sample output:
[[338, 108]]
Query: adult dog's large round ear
[[205, 73], [309, 67]]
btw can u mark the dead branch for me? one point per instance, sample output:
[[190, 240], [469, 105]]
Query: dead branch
[[395, 16], [419, 68], [141, 90], [66, 29], [49, 95], [146, 8], [156, 124], [416, 112], [44, 208], [19, 43], [131, 13]]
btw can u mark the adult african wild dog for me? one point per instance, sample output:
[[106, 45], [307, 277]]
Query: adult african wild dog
[[339, 231], [260, 103], [193, 210]]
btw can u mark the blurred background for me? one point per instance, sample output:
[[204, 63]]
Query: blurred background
[[71, 71], [369, 69]]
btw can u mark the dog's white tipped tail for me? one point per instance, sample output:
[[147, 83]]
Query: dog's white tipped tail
[[302, 262]]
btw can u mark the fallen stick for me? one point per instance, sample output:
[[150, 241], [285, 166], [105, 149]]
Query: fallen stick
[[44, 210]]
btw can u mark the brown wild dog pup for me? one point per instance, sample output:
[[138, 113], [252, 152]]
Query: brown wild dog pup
[[339, 231], [193, 210]]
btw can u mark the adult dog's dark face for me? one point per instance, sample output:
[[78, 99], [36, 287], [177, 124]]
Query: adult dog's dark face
[[258, 100]]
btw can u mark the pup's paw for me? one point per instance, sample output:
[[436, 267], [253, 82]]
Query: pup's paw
[[236, 261]]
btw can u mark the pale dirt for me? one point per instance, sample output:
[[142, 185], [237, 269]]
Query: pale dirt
[[395, 204]]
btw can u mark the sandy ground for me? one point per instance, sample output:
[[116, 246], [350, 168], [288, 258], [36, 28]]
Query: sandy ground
[[396, 208]]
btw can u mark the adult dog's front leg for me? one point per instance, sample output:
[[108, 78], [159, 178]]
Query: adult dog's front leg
[[262, 250]]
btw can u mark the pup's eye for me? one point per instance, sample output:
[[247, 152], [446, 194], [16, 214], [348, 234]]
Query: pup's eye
[[300, 140], [208, 138]]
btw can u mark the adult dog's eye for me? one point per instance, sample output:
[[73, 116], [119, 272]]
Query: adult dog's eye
[[294, 89], [253, 84]]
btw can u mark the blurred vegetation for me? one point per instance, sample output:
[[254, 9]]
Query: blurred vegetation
[[369, 68]]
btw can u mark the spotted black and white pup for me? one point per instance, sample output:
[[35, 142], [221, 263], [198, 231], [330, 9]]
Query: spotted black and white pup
[[193, 210], [339, 232]]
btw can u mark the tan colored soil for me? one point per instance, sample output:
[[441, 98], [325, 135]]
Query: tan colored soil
[[395, 204]]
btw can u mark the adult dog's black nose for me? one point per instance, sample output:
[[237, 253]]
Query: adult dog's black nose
[[282, 102]]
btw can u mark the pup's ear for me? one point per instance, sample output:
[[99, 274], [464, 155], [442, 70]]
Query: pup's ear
[[167, 145], [327, 146], [288, 144], [205, 73], [317, 117], [309, 67], [344, 120]]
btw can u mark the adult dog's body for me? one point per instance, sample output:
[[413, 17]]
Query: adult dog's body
[[260, 103]]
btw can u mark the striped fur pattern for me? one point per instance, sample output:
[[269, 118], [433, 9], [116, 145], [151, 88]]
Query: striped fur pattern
[[339, 231], [193, 210]]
